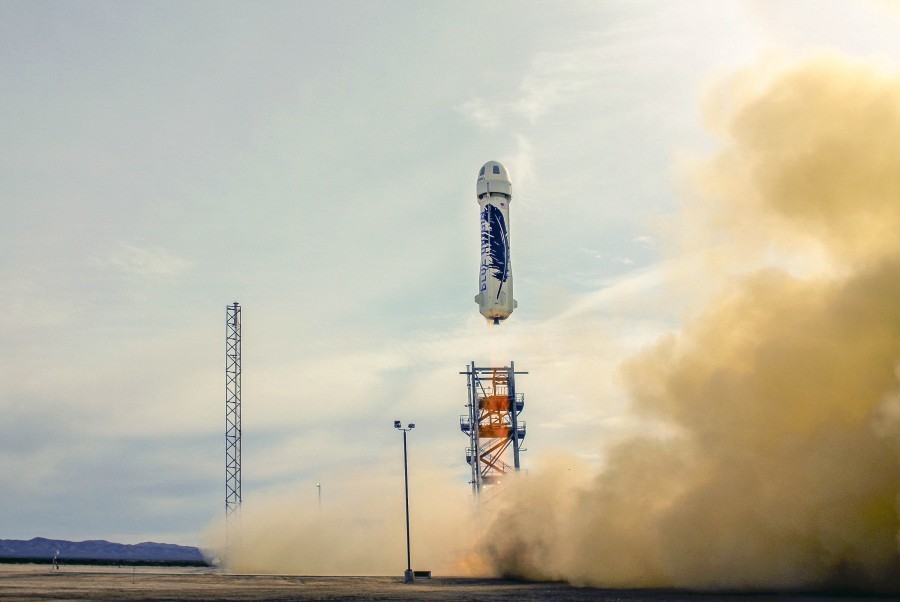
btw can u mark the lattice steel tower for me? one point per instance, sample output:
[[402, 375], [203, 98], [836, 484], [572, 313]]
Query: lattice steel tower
[[232, 417], [492, 424]]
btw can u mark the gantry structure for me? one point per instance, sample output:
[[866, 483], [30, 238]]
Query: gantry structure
[[232, 420], [492, 424]]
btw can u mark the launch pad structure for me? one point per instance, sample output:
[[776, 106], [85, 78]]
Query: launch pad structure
[[492, 424], [232, 421]]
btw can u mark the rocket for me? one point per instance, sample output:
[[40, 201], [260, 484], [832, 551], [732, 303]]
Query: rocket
[[495, 283]]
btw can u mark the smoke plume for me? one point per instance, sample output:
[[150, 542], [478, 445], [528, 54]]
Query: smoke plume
[[358, 529], [783, 464]]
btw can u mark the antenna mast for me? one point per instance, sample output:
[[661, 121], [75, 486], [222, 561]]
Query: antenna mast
[[232, 420]]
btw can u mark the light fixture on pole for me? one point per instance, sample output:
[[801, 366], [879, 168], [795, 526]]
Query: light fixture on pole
[[408, 574]]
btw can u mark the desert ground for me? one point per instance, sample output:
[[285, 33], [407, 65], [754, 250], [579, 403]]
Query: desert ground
[[37, 582]]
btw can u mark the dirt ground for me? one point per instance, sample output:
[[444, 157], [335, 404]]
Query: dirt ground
[[35, 582]]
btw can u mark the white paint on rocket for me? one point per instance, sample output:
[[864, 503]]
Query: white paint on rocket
[[495, 283]]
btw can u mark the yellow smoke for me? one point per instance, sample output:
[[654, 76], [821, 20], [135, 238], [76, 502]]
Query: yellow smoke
[[782, 390], [359, 529]]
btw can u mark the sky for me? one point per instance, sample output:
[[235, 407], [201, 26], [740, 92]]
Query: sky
[[316, 162]]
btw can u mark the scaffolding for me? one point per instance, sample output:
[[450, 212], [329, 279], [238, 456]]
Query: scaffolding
[[232, 421], [492, 423]]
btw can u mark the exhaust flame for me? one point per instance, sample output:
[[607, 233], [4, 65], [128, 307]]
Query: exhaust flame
[[783, 390]]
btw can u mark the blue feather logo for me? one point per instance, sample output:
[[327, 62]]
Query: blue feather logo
[[495, 239]]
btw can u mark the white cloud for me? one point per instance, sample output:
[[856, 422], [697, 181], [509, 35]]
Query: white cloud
[[149, 261], [484, 114], [552, 79]]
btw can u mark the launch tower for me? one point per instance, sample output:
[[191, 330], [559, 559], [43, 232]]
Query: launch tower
[[492, 424]]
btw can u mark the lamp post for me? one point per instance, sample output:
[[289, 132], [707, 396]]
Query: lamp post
[[408, 575]]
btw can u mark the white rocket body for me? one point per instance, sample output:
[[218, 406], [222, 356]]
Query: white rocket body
[[495, 283]]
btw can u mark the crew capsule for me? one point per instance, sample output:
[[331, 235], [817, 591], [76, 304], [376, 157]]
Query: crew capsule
[[495, 283]]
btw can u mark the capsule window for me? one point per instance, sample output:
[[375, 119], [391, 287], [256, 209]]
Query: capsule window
[[497, 169], [481, 173]]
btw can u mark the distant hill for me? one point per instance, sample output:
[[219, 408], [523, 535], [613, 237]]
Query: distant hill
[[99, 549]]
